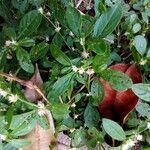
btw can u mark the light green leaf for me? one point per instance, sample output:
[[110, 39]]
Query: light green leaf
[[74, 20], [118, 80], [113, 129], [24, 60], [140, 44], [19, 143], [29, 23], [136, 28], [60, 56], [142, 91], [108, 21]]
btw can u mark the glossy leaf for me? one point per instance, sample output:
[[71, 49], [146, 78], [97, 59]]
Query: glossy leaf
[[108, 21], [113, 129], [74, 20], [29, 23], [60, 56]]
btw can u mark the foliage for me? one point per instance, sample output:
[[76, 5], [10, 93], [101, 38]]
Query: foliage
[[73, 49]]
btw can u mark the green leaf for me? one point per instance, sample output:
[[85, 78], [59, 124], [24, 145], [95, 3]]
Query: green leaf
[[24, 60], [60, 111], [2, 58], [74, 20], [140, 44], [24, 128], [60, 56], [62, 84], [43, 122], [136, 28], [39, 51], [97, 91], [26, 42], [29, 23], [143, 109], [113, 129], [142, 91], [19, 143], [79, 137], [108, 21], [118, 80], [91, 116]]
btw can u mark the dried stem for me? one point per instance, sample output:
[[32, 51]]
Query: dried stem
[[28, 84]]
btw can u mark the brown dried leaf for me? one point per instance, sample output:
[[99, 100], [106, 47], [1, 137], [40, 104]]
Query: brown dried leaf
[[42, 139], [31, 94]]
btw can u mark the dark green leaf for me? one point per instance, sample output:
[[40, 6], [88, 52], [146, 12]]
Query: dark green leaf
[[113, 129], [39, 51], [24, 60], [29, 23], [108, 21], [60, 56], [118, 80], [91, 116], [26, 42], [74, 20], [97, 91]]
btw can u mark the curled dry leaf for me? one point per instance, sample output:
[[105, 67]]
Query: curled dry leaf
[[42, 139], [31, 94]]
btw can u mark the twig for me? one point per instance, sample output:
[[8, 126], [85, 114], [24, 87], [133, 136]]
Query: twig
[[28, 84]]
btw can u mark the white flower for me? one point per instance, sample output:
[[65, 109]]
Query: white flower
[[42, 109], [2, 137], [76, 116], [13, 98], [129, 144], [47, 38], [71, 34], [57, 29], [85, 54], [148, 125], [90, 72], [74, 68], [41, 10], [88, 94], [81, 70], [125, 147], [48, 14], [73, 105], [139, 137], [3, 93], [143, 61], [72, 130], [8, 43]]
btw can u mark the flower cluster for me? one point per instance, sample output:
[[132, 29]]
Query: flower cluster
[[81, 70], [12, 98], [42, 109]]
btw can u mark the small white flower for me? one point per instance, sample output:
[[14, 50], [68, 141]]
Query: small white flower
[[88, 94], [57, 29], [148, 125], [72, 130], [42, 109], [76, 116], [74, 68], [47, 38], [9, 56], [3, 137], [13, 98], [48, 14], [81, 70], [85, 54], [73, 105], [3, 93], [143, 61], [82, 41], [125, 147], [90, 72], [71, 34], [139, 137], [13, 42], [131, 142], [41, 10], [8, 43]]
